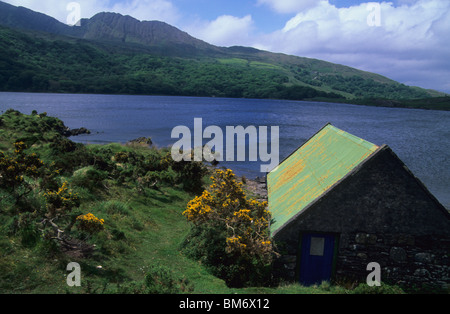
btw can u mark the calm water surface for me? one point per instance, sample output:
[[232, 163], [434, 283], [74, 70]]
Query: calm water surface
[[421, 138]]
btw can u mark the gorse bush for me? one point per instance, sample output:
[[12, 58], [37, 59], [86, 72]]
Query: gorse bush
[[230, 232], [89, 223], [16, 167], [60, 201], [145, 167], [68, 156], [43, 207], [188, 173]]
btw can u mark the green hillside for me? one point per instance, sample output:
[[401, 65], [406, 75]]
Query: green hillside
[[47, 63], [115, 54], [80, 66]]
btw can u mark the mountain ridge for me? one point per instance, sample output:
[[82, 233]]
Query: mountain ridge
[[115, 26]]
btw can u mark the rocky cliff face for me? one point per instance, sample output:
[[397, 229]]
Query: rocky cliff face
[[114, 26], [104, 26]]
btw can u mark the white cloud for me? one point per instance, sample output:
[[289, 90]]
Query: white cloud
[[406, 2], [58, 9], [411, 41], [226, 30], [289, 6], [162, 10], [148, 10]]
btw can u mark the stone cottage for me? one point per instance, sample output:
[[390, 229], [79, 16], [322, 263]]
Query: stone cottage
[[340, 202]]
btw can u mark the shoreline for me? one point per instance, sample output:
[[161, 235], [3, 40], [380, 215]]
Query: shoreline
[[443, 102]]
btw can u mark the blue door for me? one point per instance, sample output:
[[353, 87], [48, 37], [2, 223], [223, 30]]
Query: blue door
[[316, 259]]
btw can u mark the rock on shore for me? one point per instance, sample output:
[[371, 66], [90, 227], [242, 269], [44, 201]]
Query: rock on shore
[[257, 188]]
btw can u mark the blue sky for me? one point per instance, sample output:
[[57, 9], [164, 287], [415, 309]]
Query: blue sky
[[405, 40]]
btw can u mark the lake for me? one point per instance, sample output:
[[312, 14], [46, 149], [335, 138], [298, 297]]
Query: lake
[[421, 138]]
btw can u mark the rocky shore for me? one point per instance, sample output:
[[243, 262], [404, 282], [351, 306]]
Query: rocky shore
[[74, 132], [257, 188]]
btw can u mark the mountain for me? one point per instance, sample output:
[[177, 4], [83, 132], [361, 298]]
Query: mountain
[[26, 19], [103, 26], [112, 53], [113, 26]]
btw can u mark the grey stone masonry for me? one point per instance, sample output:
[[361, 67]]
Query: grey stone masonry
[[404, 259]]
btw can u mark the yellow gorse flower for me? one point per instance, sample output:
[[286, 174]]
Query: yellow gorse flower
[[243, 214], [90, 223], [62, 199], [198, 208], [91, 218]]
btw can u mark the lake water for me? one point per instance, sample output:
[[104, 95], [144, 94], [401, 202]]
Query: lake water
[[421, 138]]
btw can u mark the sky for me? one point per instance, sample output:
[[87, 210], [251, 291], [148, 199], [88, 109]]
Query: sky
[[405, 40]]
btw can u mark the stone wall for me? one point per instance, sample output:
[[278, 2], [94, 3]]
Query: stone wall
[[405, 260], [286, 268]]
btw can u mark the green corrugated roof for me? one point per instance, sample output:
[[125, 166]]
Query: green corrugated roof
[[311, 170]]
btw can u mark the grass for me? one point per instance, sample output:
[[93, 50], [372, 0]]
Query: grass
[[141, 231]]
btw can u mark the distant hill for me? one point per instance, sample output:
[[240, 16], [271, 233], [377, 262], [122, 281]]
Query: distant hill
[[112, 53], [23, 18]]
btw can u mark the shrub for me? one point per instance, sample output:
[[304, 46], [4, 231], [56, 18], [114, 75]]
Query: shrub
[[189, 173], [161, 280], [15, 167], [89, 223], [63, 145], [68, 155], [153, 162], [121, 157], [230, 232], [61, 200], [28, 231]]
